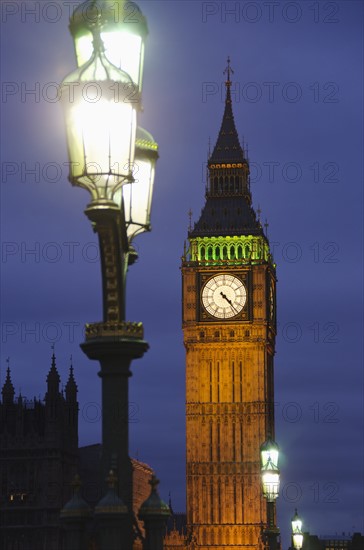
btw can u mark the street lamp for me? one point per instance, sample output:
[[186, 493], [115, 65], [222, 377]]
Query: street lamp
[[115, 162], [124, 29], [297, 535], [269, 454]]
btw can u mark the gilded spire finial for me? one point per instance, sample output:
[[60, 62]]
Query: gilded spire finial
[[228, 71]]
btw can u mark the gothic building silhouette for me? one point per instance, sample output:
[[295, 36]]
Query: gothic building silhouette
[[38, 460]]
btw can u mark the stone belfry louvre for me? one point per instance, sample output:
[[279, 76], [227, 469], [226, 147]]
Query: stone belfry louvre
[[229, 327]]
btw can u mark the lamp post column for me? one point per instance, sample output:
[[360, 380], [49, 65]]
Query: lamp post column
[[272, 532], [269, 453]]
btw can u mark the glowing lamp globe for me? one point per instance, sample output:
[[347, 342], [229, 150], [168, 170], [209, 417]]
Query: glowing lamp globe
[[297, 534], [100, 105], [269, 450], [137, 196], [269, 453], [270, 482], [123, 32]]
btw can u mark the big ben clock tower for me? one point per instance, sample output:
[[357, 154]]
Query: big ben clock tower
[[229, 311]]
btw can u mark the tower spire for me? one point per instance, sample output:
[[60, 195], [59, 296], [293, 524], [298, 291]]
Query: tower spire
[[53, 379], [228, 209], [71, 386], [53, 356], [8, 390], [227, 148]]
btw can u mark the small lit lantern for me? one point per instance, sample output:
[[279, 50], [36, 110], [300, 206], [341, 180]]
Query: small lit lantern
[[124, 30], [100, 104], [269, 453], [297, 534], [137, 196]]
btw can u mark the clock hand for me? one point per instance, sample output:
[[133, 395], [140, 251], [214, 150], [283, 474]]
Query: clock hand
[[228, 301]]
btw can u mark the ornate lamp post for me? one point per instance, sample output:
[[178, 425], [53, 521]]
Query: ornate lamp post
[[297, 535], [269, 453], [115, 162]]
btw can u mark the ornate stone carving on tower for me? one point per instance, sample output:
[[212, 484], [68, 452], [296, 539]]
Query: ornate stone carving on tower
[[229, 318]]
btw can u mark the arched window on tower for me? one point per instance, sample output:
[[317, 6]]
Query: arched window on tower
[[215, 185], [231, 184], [240, 252], [202, 253]]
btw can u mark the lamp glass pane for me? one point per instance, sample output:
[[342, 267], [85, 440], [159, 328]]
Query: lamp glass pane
[[137, 198], [270, 453], [270, 480], [84, 48], [298, 540], [100, 138], [296, 525], [123, 49]]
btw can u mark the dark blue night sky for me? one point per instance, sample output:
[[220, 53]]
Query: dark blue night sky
[[297, 100]]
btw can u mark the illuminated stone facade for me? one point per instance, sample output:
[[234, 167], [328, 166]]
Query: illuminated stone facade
[[229, 316]]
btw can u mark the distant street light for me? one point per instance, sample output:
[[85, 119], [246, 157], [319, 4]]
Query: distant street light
[[297, 535]]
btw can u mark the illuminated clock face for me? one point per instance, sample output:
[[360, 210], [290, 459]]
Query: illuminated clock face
[[224, 296]]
